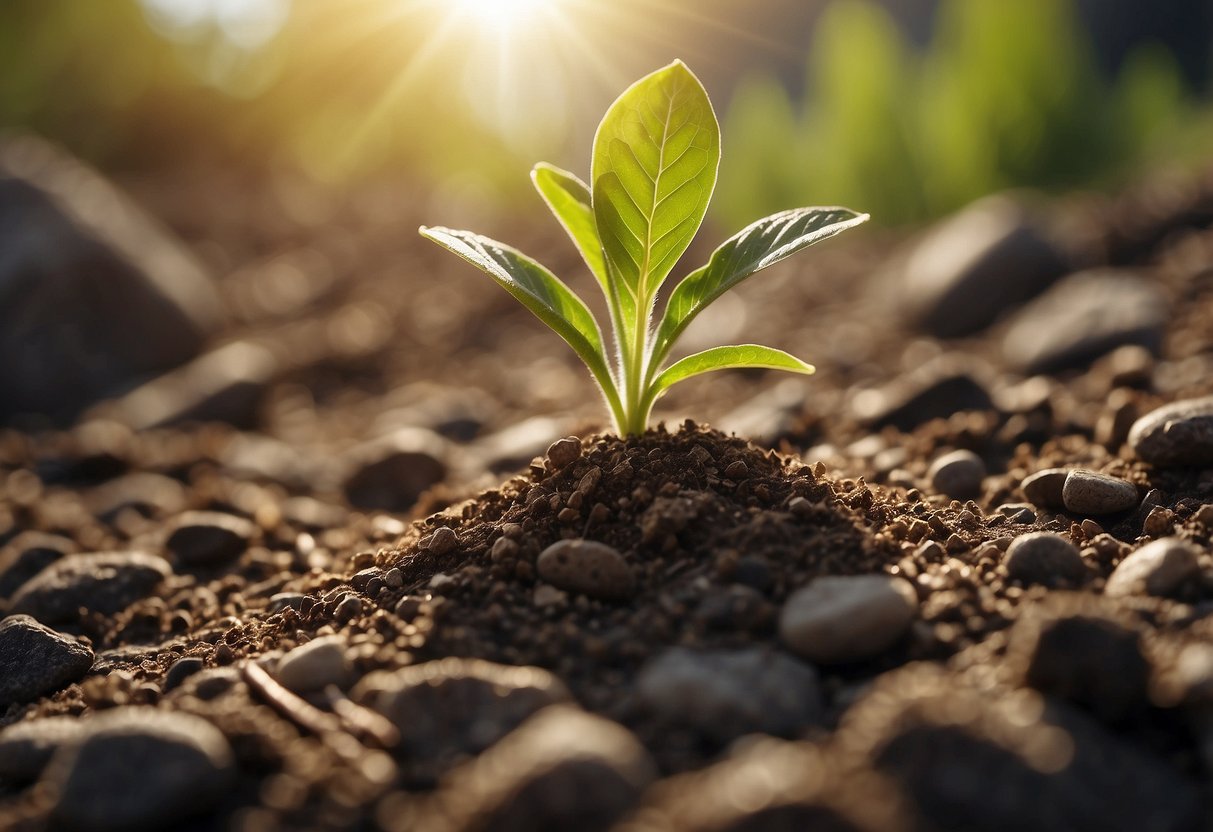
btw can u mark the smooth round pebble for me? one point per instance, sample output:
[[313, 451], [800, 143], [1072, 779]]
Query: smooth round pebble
[[34, 660], [138, 768], [1044, 488], [564, 452], [1086, 492], [1177, 435], [847, 618], [1044, 558], [588, 567], [728, 693], [958, 474], [1159, 568], [107, 583], [26, 747], [205, 538], [315, 665]]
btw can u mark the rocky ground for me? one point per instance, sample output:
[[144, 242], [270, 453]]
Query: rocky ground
[[295, 541]]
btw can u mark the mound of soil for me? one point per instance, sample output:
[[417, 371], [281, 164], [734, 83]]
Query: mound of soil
[[370, 586]]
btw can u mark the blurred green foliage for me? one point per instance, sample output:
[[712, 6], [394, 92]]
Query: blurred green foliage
[[1006, 94]]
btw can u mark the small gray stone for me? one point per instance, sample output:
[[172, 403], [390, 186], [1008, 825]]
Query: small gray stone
[[725, 694], [1176, 435], [206, 538], [1086, 492], [975, 265], [1044, 488], [564, 452], [440, 541], [1084, 317], [849, 618], [1021, 513], [26, 747], [1044, 558], [588, 567], [137, 768], [106, 582], [28, 554], [561, 769], [468, 704], [35, 660], [958, 474], [1159, 568], [315, 665]]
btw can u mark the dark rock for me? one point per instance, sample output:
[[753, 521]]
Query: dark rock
[[152, 495], [390, 474], [958, 474], [139, 768], [207, 538], [1044, 558], [1086, 492], [769, 785], [588, 567], [227, 384], [182, 669], [1071, 651], [36, 660], [1006, 762], [986, 259], [106, 582], [564, 452], [468, 704], [95, 295], [1021, 513], [937, 391], [26, 747], [1044, 488], [1176, 435], [1085, 316], [561, 769], [724, 694], [28, 554]]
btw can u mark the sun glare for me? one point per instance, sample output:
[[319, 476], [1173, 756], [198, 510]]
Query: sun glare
[[504, 15]]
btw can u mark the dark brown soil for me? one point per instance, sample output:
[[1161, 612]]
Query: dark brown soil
[[717, 528]]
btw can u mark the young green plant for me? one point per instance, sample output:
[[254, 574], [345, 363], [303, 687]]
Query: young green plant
[[653, 170]]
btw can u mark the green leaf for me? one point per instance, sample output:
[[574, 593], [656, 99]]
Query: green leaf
[[758, 245], [654, 166], [569, 199], [538, 290], [727, 358]]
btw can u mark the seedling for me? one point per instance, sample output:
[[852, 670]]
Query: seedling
[[653, 170]]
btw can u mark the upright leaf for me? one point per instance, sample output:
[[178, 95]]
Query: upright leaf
[[758, 245], [656, 153], [539, 291], [569, 199]]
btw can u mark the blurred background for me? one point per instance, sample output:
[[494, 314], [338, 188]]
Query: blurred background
[[908, 108]]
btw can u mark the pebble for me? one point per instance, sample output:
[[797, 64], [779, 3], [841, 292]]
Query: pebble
[[1083, 657], [468, 704], [1083, 317], [564, 768], [849, 618], [1021, 513], [440, 541], [1159, 568], [106, 582], [1044, 558], [182, 669], [207, 538], [1044, 488], [26, 747], [969, 270], [564, 452], [315, 665], [28, 554], [958, 474], [392, 473], [983, 758], [1176, 435], [588, 567], [1086, 492], [724, 694], [138, 768], [935, 391], [36, 660]]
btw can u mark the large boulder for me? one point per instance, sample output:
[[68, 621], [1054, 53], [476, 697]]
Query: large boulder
[[94, 294]]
